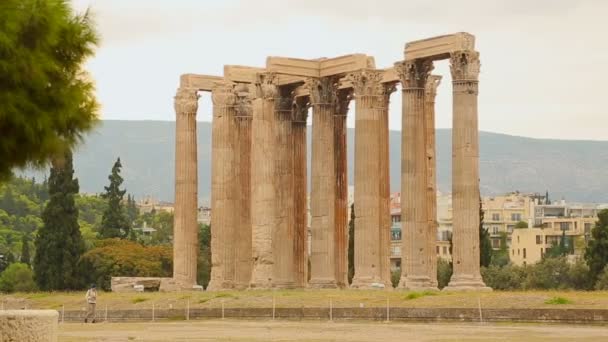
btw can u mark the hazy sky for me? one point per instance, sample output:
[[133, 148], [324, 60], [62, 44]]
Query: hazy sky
[[544, 62]]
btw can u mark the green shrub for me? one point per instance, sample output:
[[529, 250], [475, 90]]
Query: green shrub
[[395, 277], [17, 277], [509, 277], [558, 301], [548, 274], [444, 272], [115, 258], [602, 280]]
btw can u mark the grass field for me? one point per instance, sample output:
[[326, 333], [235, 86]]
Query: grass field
[[229, 330], [311, 298]]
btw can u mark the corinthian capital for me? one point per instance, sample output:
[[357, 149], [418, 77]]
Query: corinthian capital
[[244, 96], [414, 73], [267, 86], [322, 90], [186, 101], [223, 94], [367, 83], [464, 65], [432, 82]]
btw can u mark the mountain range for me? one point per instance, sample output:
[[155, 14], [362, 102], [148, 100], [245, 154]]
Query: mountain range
[[574, 170]]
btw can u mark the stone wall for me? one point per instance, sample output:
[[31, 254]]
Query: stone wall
[[582, 316], [28, 325]]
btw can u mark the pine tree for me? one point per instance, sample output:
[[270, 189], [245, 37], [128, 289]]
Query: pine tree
[[351, 244], [485, 245], [59, 244], [114, 222], [596, 253], [47, 100], [25, 250]]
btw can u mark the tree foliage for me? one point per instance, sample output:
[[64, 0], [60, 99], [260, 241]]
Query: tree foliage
[[351, 244], [59, 244], [46, 99], [485, 244], [204, 256], [25, 258], [124, 258], [18, 277], [115, 222], [596, 253], [444, 272]]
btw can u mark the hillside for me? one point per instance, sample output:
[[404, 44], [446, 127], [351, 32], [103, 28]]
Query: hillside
[[576, 170]]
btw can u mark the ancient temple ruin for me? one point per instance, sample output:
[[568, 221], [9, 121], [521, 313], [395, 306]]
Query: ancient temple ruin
[[259, 177]]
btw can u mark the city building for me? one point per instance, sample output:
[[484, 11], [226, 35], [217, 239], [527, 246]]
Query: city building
[[204, 215]]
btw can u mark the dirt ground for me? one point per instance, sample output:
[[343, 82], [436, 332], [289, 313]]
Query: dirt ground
[[231, 330]]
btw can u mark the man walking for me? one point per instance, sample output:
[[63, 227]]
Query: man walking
[[91, 297]]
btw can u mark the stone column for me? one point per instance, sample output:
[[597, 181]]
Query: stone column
[[414, 220], [185, 228], [429, 115], [244, 95], [369, 254], [341, 203], [263, 187], [300, 115], [464, 67], [284, 229], [224, 188], [385, 188], [323, 94]]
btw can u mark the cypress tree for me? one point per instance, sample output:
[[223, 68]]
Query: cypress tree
[[25, 250], [115, 222], [59, 244], [351, 244], [485, 245]]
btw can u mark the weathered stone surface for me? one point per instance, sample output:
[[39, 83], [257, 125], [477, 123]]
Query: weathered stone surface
[[439, 47], [370, 248], [465, 173], [414, 200], [429, 114], [224, 186], [198, 82], [28, 325], [185, 227], [323, 97]]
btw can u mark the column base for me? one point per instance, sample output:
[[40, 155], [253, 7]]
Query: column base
[[284, 285], [175, 285], [417, 283], [225, 285], [370, 283], [321, 283], [467, 283]]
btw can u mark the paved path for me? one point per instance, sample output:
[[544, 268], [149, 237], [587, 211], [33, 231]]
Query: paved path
[[232, 330]]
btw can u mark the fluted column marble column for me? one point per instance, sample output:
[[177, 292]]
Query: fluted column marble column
[[263, 187], [414, 220], [300, 114], [385, 187], [284, 228], [224, 188], [341, 203], [323, 94], [429, 114], [185, 227], [369, 253], [464, 67], [242, 233]]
